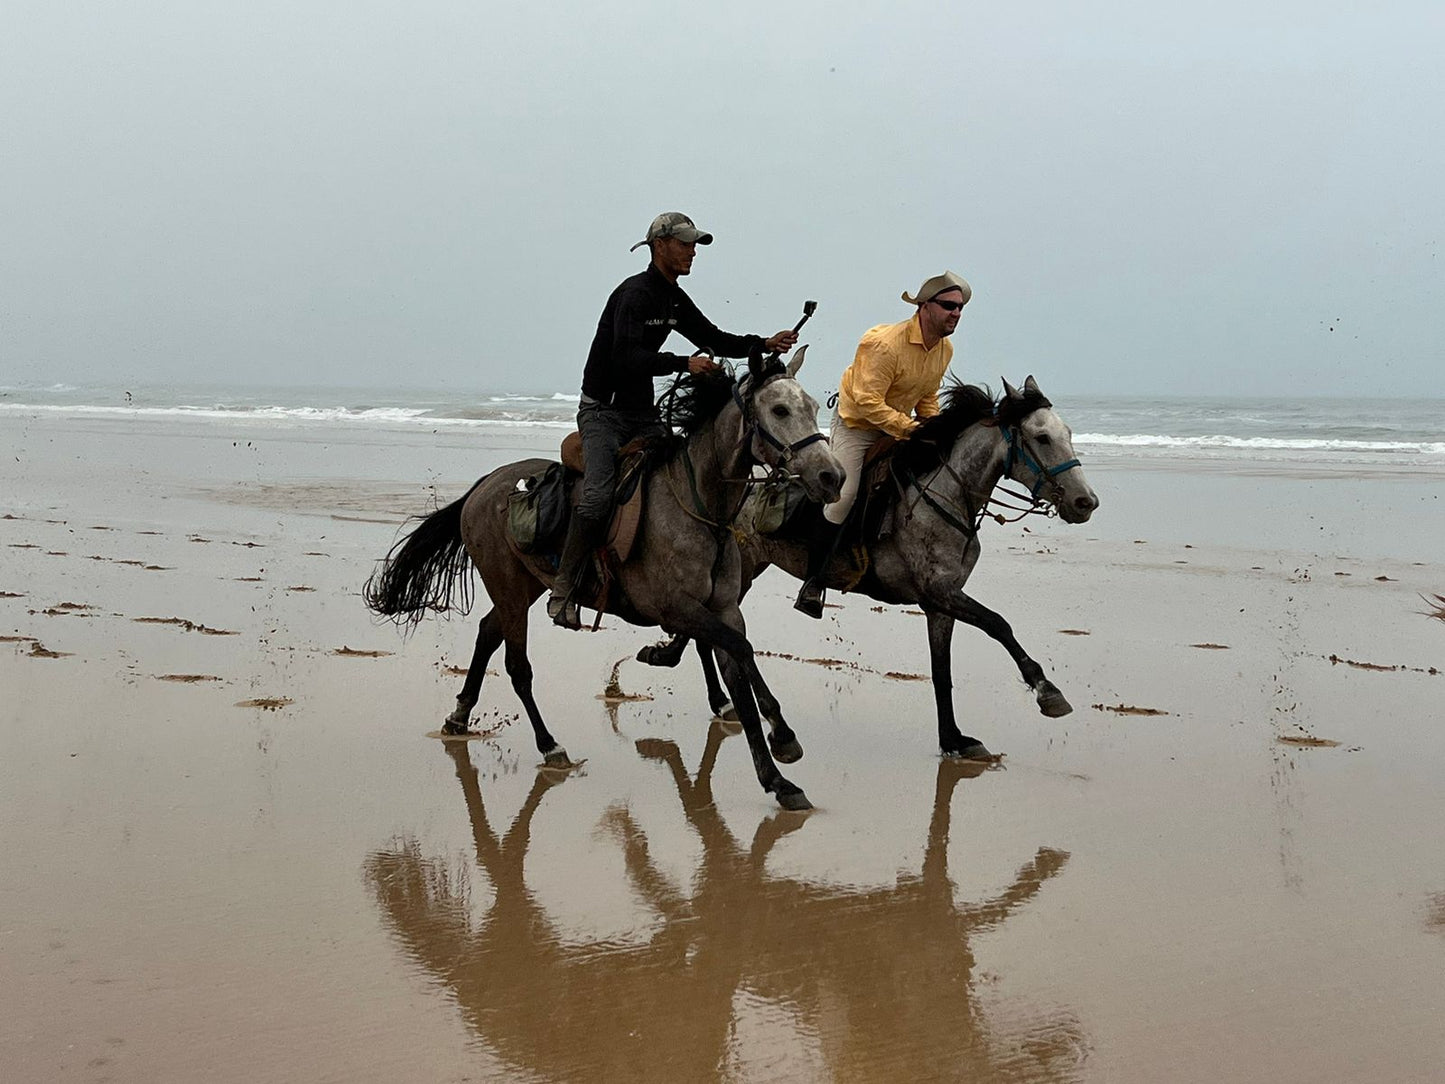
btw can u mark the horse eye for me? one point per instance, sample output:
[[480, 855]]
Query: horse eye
[[780, 412]]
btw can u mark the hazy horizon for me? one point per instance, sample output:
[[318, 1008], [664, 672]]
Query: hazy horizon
[[1236, 204]]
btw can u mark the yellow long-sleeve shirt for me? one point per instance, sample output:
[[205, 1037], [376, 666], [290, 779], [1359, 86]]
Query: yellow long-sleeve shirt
[[892, 378]]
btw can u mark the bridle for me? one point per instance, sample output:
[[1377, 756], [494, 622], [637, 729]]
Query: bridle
[[753, 426], [778, 473], [1018, 452]]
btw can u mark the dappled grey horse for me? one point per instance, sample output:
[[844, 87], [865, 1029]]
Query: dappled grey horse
[[943, 477], [684, 573]]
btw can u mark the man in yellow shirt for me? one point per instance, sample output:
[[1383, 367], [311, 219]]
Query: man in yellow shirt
[[892, 384]]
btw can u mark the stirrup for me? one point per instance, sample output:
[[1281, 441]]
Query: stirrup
[[564, 612], [810, 599]]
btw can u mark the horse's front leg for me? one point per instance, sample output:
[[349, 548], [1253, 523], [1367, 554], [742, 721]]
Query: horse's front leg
[[972, 612], [735, 654], [952, 742], [784, 743], [781, 738]]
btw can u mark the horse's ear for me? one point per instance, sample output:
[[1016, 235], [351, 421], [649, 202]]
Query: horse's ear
[[1031, 386], [755, 365], [797, 362], [1010, 391]]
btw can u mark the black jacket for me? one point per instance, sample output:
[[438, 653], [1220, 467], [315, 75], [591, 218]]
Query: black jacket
[[639, 315]]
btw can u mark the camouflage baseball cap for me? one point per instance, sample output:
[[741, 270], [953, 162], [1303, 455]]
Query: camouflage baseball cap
[[673, 224]]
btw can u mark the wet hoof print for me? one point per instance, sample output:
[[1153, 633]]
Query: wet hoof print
[[266, 703]]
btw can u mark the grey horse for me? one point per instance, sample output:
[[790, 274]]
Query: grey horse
[[685, 570], [941, 481]]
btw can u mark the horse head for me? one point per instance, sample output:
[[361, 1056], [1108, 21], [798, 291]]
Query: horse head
[[783, 421], [1041, 452]]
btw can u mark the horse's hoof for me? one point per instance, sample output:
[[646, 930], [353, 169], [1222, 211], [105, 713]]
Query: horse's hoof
[[786, 752], [974, 750], [659, 655], [557, 758], [453, 727], [1051, 701], [794, 800], [728, 713]]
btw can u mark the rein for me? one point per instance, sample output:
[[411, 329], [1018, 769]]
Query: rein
[[968, 520], [752, 426]]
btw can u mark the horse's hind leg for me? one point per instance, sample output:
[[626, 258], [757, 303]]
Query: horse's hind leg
[[667, 653], [519, 669], [489, 638], [717, 698], [972, 612], [952, 742]]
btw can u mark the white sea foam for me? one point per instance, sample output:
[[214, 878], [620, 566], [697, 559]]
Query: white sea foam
[[384, 416], [1289, 444]]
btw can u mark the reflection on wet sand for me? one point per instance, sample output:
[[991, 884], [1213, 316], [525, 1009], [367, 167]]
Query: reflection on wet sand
[[877, 982]]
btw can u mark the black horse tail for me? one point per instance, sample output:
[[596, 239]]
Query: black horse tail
[[424, 569]]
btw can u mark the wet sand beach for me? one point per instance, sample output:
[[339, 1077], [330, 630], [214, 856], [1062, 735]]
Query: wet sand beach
[[232, 851]]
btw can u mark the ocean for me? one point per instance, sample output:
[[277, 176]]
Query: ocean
[[1364, 433]]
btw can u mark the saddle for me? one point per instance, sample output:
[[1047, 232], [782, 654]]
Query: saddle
[[789, 515], [543, 555], [632, 463]]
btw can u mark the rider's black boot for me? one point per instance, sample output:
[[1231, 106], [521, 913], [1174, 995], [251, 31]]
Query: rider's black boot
[[821, 548], [583, 536]]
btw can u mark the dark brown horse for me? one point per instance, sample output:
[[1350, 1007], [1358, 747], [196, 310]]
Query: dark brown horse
[[684, 573]]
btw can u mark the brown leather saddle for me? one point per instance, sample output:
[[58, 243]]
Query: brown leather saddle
[[627, 504]]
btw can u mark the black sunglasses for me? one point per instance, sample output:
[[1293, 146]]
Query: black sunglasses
[[947, 306]]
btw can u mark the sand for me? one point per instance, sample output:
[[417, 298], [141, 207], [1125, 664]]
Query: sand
[[232, 851]]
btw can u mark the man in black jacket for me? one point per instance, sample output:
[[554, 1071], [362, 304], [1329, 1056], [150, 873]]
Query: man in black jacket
[[617, 402]]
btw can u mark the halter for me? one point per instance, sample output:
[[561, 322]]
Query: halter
[[1019, 453], [968, 519], [752, 424]]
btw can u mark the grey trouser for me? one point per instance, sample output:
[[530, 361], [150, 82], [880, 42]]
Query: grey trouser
[[850, 446], [604, 429]]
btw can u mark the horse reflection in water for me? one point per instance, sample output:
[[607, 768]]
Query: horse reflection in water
[[883, 976]]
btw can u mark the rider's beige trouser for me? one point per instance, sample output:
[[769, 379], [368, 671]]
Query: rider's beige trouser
[[850, 446]]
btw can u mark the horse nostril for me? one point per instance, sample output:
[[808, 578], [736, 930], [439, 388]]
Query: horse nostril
[[830, 481], [1086, 503]]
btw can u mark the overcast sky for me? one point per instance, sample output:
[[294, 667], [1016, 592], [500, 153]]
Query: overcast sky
[[1153, 198]]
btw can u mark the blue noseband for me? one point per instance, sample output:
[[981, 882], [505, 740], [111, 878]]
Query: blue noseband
[[1017, 453]]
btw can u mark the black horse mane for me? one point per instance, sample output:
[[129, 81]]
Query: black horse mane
[[962, 405], [693, 400]]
